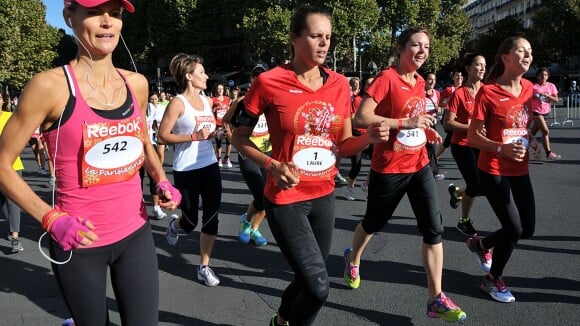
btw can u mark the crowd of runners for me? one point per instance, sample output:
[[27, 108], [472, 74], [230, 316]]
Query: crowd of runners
[[289, 130]]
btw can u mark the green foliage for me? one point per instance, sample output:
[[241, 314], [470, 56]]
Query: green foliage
[[488, 43], [266, 31], [554, 34], [26, 41]]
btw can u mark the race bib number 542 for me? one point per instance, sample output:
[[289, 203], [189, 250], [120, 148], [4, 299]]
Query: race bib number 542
[[112, 152]]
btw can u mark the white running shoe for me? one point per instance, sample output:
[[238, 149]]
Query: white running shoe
[[158, 213], [172, 235], [207, 276]]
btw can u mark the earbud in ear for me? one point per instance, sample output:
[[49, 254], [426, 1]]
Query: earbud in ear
[[69, 23]]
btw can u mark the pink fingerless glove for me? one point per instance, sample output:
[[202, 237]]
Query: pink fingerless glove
[[164, 186], [68, 231]]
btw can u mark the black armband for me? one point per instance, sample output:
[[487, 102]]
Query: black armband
[[242, 118]]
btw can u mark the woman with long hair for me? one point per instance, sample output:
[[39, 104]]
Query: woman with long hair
[[499, 129], [93, 117], [307, 107], [401, 166], [457, 119]]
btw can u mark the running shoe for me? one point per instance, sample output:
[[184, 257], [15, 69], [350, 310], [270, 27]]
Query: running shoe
[[16, 245], [341, 179], [229, 163], [351, 272], [52, 181], [257, 237], [68, 322], [439, 176], [365, 187], [158, 213], [484, 259], [553, 157], [245, 229], [443, 307], [496, 289], [454, 194], [273, 321], [207, 276], [466, 227], [220, 163], [350, 193], [172, 235]]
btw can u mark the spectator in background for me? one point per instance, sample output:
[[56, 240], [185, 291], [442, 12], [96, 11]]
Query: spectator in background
[[8, 209]]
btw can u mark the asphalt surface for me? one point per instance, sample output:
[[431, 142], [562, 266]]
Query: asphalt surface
[[543, 273]]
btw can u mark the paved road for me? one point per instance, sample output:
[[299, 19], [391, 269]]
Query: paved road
[[543, 274]]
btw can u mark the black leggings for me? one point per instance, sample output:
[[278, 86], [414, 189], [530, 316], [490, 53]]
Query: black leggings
[[387, 190], [218, 140], [152, 184], [303, 231], [206, 182], [255, 177], [134, 276], [466, 159], [512, 200]]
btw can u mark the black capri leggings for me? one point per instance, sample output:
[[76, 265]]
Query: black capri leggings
[[220, 134], [512, 200], [387, 190], [206, 182], [255, 177], [134, 276], [303, 231], [466, 160]]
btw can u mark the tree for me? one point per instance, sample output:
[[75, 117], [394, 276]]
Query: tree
[[27, 42], [446, 21], [554, 34], [488, 43]]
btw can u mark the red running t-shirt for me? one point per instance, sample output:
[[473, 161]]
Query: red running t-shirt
[[304, 126], [506, 118], [461, 103], [221, 108], [405, 151]]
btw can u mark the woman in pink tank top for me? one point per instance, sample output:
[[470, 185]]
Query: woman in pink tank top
[[93, 117]]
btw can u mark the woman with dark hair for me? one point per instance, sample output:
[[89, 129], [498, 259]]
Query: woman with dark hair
[[189, 124], [545, 93], [92, 115], [307, 108], [401, 166], [457, 119], [457, 77], [499, 129], [221, 104], [254, 174]]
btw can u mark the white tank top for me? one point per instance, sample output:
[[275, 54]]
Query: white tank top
[[195, 154]]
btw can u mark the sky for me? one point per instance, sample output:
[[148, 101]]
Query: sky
[[54, 14]]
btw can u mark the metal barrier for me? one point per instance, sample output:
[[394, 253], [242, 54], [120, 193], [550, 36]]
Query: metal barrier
[[566, 114], [573, 109]]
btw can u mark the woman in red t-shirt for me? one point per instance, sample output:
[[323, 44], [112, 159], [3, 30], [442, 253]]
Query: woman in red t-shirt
[[221, 105], [457, 119], [307, 108], [401, 166], [498, 128]]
